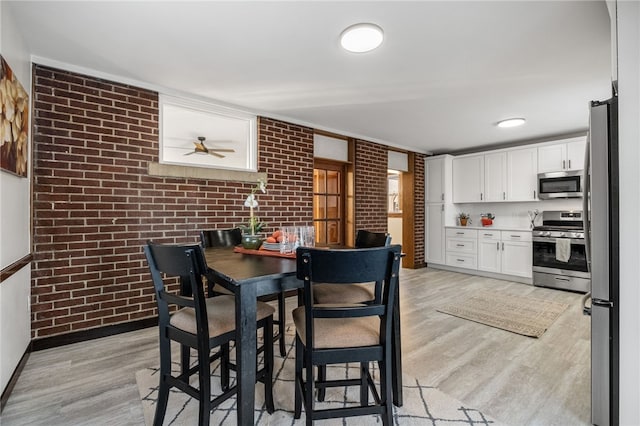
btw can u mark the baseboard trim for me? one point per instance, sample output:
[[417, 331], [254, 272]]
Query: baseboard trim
[[476, 272], [14, 378], [93, 333]]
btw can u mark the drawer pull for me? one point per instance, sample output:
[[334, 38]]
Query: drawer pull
[[460, 260], [459, 245], [515, 236], [459, 233], [488, 235]]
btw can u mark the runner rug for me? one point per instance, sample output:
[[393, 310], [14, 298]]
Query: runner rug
[[523, 315], [423, 404]]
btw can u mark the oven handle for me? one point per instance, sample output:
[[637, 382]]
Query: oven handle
[[576, 241]]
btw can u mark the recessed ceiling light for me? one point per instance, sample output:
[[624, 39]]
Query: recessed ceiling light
[[511, 122], [360, 38]]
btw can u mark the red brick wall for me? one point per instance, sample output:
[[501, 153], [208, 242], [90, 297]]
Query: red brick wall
[[419, 213], [371, 186], [94, 205]]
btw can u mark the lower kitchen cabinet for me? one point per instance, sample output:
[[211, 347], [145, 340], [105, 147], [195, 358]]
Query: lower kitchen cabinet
[[505, 252], [434, 244], [462, 248]]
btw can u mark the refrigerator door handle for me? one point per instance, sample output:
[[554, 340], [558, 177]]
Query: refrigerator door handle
[[585, 197], [586, 310]]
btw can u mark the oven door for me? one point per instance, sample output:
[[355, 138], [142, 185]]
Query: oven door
[[544, 258]]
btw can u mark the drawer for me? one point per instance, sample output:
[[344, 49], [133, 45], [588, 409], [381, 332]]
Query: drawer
[[462, 233], [462, 260], [461, 245], [516, 236], [489, 235]]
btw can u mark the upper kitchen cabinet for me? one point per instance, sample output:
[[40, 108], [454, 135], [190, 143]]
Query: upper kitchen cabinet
[[468, 179], [522, 165], [563, 156], [495, 177], [438, 179]]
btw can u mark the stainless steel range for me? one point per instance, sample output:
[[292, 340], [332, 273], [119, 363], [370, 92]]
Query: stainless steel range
[[559, 257]]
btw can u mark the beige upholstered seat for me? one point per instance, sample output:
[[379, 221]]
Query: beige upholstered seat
[[339, 332], [221, 315]]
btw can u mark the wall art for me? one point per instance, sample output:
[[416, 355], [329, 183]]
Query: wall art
[[14, 123]]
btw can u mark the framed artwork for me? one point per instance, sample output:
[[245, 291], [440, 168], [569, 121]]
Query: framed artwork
[[14, 123], [200, 134]]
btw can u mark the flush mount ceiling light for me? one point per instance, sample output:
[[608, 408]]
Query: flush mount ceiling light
[[511, 122], [360, 38]]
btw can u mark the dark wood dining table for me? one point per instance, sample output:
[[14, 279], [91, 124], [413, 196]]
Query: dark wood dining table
[[249, 276]]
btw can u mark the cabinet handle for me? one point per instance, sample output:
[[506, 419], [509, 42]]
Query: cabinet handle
[[498, 246], [569, 163], [459, 233], [502, 246], [459, 245], [534, 193], [481, 196], [564, 164], [504, 195], [516, 236], [442, 196], [488, 235], [460, 260], [442, 207]]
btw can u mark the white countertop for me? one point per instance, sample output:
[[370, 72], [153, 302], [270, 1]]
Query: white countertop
[[492, 227]]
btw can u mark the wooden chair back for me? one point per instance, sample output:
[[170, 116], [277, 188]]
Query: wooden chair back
[[365, 239], [221, 237]]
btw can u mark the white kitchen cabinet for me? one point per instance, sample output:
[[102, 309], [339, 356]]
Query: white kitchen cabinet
[[563, 156], [462, 248], [435, 240], [489, 254], [438, 179], [438, 207], [522, 182], [495, 177], [468, 179], [505, 252], [517, 253]]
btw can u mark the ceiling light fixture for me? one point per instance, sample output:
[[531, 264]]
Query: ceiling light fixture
[[511, 122], [360, 38]]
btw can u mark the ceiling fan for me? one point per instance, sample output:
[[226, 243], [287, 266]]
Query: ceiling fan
[[200, 148]]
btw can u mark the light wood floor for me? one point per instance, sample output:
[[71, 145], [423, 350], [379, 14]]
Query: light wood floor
[[515, 379]]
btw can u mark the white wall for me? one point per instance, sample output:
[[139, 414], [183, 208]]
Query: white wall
[[15, 222], [515, 214], [629, 98]]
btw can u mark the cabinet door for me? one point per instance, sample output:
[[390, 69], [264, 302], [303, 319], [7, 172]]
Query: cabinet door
[[495, 176], [522, 179], [489, 254], [575, 155], [434, 242], [517, 258], [552, 158], [468, 179], [434, 185]]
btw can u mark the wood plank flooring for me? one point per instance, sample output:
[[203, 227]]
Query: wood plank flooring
[[517, 380]]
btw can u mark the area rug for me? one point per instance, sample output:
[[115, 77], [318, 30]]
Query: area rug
[[522, 315], [423, 404]]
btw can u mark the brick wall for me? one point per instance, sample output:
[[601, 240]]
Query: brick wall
[[419, 213], [94, 204], [371, 186]]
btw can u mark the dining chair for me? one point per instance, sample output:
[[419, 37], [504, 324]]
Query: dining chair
[[357, 293], [230, 238], [345, 332], [203, 324]]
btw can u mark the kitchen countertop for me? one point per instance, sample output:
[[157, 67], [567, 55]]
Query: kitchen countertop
[[492, 227]]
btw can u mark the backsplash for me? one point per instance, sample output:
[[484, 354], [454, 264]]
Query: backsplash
[[515, 214]]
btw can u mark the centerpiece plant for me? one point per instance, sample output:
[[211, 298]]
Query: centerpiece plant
[[254, 225]]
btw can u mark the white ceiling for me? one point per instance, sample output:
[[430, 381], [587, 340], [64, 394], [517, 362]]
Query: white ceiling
[[445, 74]]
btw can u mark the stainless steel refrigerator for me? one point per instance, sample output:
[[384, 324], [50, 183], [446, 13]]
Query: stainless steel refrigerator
[[602, 242]]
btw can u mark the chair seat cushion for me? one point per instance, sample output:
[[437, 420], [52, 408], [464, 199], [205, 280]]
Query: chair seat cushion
[[221, 313], [351, 293], [339, 332], [218, 289]]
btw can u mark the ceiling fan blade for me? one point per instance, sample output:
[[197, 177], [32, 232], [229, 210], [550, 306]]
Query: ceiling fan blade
[[222, 150], [189, 153], [216, 154]]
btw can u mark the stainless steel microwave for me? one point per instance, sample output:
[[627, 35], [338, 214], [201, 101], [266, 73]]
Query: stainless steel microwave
[[560, 185]]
